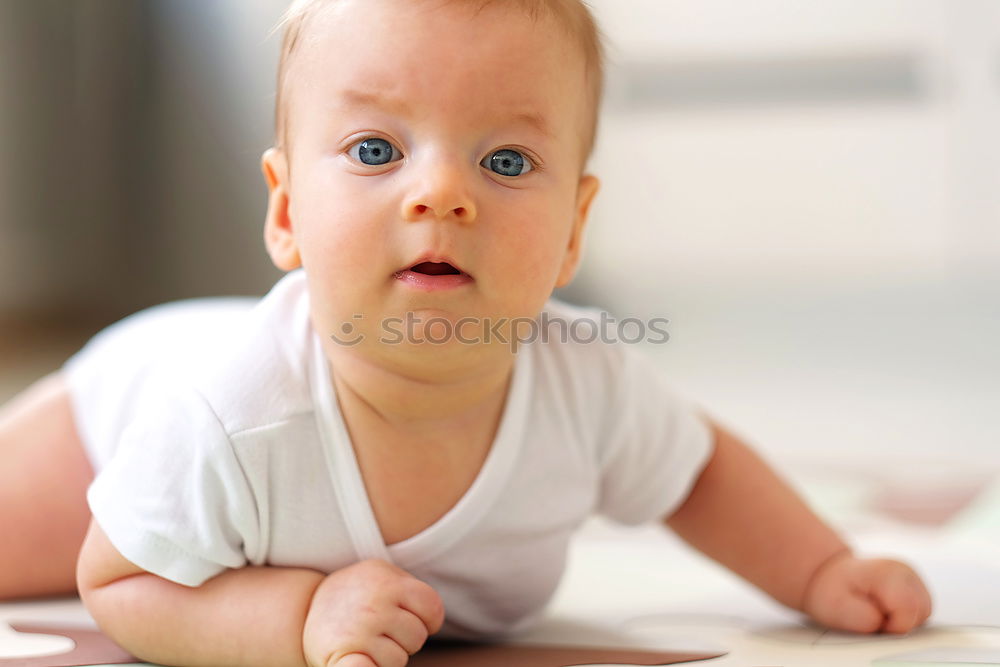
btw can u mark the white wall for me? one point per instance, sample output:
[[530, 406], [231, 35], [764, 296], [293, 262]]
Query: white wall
[[900, 185]]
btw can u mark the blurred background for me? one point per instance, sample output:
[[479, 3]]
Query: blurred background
[[809, 191]]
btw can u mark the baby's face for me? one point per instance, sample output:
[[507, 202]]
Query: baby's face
[[417, 130]]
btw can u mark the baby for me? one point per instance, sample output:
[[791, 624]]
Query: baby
[[363, 458]]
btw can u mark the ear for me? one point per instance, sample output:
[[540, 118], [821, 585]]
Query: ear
[[279, 237], [585, 193]]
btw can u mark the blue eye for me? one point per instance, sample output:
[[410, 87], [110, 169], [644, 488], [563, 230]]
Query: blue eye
[[374, 152], [507, 162]]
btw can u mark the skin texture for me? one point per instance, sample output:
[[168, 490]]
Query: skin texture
[[743, 515], [43, 482], [353, 226], [370, 613], [250, 616], [868, 595]]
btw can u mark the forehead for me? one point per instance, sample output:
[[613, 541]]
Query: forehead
[[424, 56]]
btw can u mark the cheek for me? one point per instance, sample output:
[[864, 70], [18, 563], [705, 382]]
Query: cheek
[[540, 252], [535, 242], [548, 233], [341, 227]]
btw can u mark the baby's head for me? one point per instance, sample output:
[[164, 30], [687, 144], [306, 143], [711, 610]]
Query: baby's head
[[450, 131]]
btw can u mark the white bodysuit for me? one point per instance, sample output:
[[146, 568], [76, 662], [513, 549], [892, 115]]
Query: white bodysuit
[[215, 430]]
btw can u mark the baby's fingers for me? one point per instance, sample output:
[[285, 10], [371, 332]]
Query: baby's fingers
[[853, 613], [407, 630], [418, 598], [354, 660], [904, 600], [380, 651]]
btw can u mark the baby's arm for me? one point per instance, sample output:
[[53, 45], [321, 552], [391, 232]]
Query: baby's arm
[[367, 614], [743, 515], [250, 616]]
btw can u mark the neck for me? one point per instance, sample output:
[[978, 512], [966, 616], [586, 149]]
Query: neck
[[423, 400]]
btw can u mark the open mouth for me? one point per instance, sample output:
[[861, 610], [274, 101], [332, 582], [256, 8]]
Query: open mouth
[[430, 276], [435, 269]]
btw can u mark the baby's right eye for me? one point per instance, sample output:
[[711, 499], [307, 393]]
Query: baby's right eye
[[374, 152]]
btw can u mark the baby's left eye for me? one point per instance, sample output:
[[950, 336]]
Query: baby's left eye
[[507, 162]]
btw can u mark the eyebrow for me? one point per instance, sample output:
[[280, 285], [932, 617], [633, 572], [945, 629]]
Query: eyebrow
[[357, 98]]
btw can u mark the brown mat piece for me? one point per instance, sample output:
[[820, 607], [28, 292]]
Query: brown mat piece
[[93, 648], [445, 654]]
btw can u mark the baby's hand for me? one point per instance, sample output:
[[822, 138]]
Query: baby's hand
[[370, 614], [857, 595]]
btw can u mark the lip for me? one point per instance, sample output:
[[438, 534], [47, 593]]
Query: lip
[[430, 283], [437, 259]]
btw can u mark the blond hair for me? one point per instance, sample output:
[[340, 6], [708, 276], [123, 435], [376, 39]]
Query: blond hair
[[574, 16]]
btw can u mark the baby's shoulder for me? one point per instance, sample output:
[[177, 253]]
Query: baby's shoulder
[[576, 357], [256, 372]]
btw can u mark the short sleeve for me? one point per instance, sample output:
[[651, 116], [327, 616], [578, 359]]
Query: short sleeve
[[174, 499], [655, 444]]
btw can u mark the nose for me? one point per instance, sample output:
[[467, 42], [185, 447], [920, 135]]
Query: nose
[[442, 193]]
